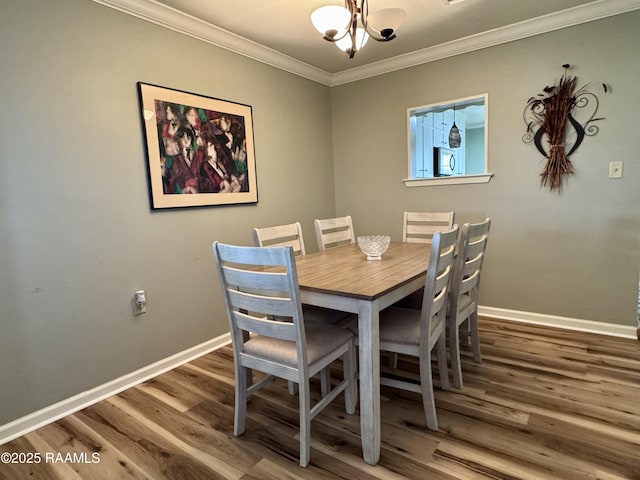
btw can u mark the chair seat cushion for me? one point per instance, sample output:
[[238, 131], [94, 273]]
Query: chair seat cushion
[[322, 339], [464, 301], [402, 325], [320, 314], [465, 306]]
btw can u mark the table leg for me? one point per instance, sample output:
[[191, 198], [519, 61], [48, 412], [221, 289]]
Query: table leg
[[369, 374]]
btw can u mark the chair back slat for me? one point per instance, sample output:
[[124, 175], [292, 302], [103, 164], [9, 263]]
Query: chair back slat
[[438, 302], [442, 280], [252, 256], [423, 230], [272, 281], [262, 305], [475, 246], [263, 326], [469, 283], [330, 238]]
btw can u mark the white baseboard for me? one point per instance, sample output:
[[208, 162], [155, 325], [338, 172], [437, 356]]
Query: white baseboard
[[615, 330], [40, 418]]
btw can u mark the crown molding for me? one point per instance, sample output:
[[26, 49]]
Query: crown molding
[[173, 19], [517, 31]]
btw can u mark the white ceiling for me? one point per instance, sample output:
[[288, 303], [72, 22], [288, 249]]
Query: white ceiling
[[280, 33]]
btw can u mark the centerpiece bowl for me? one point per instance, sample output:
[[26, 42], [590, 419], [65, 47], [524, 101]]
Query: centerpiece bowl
[[373, 246]]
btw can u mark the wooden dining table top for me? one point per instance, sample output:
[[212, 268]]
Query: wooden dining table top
[[346, 271]]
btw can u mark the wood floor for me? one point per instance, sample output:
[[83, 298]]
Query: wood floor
[[544, 404]]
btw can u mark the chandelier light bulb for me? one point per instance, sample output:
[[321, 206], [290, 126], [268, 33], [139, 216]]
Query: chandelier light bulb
[[361, 39]]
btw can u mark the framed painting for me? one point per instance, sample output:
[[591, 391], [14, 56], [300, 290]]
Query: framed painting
[[200, 149]]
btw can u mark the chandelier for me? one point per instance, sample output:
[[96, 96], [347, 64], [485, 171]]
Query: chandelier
[[350, 27]]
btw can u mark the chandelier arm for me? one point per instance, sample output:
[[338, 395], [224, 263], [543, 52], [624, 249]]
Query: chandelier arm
[[336, 39], [352, 31], [352, 6]]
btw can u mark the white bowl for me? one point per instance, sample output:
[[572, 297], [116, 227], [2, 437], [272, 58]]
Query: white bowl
[[373, 246]]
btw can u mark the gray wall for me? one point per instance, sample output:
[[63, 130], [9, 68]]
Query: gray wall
[[77, 236], [573, 254]]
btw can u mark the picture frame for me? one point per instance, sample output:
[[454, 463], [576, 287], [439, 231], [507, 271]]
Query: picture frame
[[200, 149]]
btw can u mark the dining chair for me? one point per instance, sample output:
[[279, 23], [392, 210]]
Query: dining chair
[[291, 349], [333, 232], [417, 332], [291, 235], [281, 236], [419, 227], [463, 300]]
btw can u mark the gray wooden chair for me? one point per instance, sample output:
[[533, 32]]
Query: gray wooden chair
[[291, 235], [419, 227], [290, 349], [417, 332], [333, 232], [462, 312]]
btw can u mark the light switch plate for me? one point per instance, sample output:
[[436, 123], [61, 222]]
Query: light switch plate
[[615, 169]]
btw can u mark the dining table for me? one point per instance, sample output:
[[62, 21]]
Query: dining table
[[343, 279]]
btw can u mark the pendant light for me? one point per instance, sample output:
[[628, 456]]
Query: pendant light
[[454, 133]]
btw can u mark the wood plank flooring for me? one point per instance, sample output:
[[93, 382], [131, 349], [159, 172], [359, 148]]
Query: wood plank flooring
[[545, 404]]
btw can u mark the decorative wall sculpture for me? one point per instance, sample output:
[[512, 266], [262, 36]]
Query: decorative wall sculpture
[[552, 116]]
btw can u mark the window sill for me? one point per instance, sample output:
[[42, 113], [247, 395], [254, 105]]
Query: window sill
[[455, 180]]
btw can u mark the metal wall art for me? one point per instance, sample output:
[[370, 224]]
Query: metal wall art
[[553, 116]]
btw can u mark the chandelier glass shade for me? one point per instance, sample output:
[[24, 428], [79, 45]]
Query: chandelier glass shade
[[350, 27], [332, 20]]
